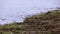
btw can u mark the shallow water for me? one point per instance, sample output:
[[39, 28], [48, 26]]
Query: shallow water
[[17, 10]]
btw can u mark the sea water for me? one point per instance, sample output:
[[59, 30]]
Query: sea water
[[17, 10]]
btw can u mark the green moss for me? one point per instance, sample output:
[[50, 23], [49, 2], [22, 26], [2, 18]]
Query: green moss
[[40, 22]]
